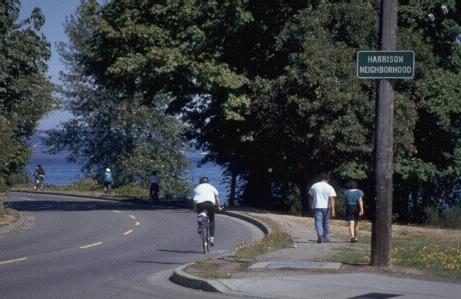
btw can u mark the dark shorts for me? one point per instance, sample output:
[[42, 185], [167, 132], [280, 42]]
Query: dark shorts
[[154, 188], [209, 207], [352, 212]]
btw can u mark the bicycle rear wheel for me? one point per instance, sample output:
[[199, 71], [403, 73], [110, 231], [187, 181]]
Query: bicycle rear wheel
[[204, 239]]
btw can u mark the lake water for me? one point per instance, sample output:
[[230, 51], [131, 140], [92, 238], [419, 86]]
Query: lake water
[[61, 172]]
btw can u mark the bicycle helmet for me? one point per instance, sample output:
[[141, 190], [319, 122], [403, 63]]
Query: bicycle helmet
[[204, 180]]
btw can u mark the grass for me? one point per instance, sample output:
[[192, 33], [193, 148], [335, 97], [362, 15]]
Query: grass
[[9, 216], [415, 250], [278, 239]]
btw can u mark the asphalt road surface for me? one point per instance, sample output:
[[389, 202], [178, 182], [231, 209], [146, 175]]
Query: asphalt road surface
[[84, 248]]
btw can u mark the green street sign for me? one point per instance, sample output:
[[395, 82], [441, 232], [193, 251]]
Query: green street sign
[[385, 64]]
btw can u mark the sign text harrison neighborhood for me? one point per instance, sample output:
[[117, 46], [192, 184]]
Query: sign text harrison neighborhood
[[385, 64]]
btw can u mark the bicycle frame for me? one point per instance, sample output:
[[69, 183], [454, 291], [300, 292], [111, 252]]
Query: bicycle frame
[[204, 227]]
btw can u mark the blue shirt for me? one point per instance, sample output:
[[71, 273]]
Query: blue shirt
[[352, 197], [107, 177]]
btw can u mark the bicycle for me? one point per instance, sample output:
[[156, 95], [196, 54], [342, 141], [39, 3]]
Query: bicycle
[[39, 185], [204, 230]]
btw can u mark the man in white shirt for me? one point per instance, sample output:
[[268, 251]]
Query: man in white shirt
[[206, 197], [323, 203]]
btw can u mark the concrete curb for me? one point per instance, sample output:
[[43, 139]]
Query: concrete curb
[[12, 226], [184, 279], [263, 227]]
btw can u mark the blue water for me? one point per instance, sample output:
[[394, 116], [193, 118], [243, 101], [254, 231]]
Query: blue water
[[61, 172]]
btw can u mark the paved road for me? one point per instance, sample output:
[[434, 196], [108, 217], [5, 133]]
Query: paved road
[[83, 248]]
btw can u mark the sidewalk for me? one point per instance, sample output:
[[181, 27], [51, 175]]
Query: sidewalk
[[301, 272]]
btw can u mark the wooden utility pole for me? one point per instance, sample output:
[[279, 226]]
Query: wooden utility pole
[[381, 241]]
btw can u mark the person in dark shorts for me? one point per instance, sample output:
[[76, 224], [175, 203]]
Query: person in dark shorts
[[154, 187], [354, 208]]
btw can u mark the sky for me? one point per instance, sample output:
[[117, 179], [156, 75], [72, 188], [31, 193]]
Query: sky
[[55, 12]]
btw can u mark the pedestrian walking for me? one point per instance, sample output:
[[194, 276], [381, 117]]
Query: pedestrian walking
[[354, 208], [322, 197]]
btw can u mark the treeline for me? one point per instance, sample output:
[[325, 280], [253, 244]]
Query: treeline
[[25, 89], [269, 88]]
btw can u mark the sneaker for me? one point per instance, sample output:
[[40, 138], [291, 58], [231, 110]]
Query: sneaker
[[319, 240], [212, 241], [326, 240], [199, 230], [353, 240]]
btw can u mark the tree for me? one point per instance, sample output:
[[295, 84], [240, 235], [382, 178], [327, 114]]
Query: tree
[[111, 127], [269, 87], [25, 90]]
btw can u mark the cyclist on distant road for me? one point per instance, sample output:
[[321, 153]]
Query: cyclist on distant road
[[206, 198], [154, 187], [108, 181], [39, 175]]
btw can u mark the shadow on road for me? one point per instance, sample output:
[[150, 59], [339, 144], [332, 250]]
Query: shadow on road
[[160, 262], [57, 205], [180, 251]]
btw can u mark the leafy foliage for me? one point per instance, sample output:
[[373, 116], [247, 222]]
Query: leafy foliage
[[112, 127], [269, 88], [25, 91]]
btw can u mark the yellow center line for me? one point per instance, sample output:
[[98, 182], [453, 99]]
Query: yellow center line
[[116, 211], [128, 232], [132, 217], [90, 245], [137, 223], [13, 261]]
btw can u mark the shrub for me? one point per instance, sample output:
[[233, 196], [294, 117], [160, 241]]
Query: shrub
[[450, 217]]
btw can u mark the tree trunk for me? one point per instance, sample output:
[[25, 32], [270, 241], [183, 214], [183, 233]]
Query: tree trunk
[[233, 187]]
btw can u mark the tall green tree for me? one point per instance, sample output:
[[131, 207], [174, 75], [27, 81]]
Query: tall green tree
[[25, 90], [112, 127]]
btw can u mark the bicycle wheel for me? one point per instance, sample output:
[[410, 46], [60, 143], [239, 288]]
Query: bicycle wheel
[[204, 239], [207, 230]]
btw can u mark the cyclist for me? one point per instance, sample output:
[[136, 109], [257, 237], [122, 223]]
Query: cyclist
[[39, 175], [154, 186], [108, 181], [206, 198]]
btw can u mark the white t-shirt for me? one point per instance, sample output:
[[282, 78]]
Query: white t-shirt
[[205, 192], [320, 193]]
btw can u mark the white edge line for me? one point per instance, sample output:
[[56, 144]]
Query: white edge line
[[128, 232], [13, 261], [90, 245]]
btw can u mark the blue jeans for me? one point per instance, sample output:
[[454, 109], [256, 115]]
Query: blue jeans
[[322, 218]]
